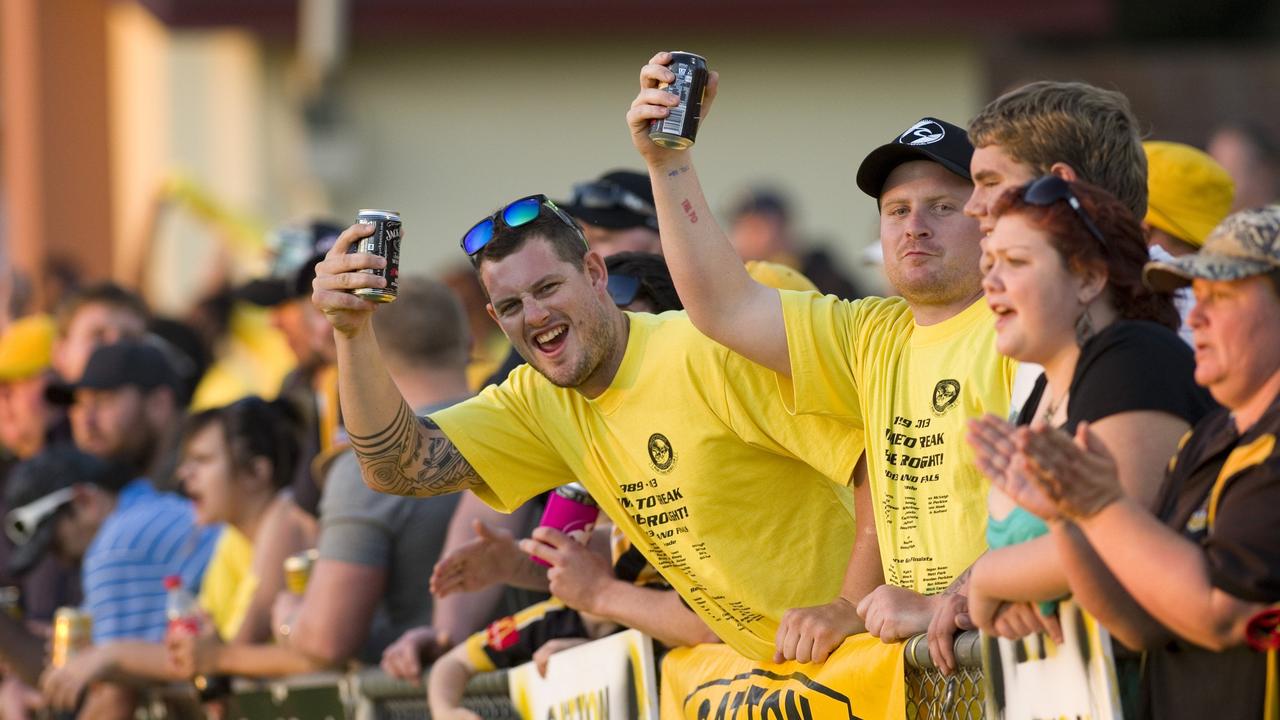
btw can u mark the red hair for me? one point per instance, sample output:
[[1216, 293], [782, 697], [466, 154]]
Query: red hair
[[1121, 259]]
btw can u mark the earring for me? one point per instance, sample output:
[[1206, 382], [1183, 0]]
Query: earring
[[1084, 327]]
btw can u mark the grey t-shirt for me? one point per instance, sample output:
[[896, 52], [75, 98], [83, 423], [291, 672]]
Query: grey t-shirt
[[403, 535]]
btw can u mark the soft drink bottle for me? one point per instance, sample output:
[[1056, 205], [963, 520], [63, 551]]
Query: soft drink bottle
[[180, 607]]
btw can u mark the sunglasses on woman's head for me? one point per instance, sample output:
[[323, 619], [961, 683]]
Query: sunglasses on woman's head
[[1050, 189], [513, 215]]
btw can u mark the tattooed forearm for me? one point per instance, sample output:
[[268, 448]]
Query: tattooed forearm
[[960, 584], [411, 457]]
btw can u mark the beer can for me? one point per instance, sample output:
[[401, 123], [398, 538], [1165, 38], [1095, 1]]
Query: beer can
[[384, 242], [297, 570], [572, 511], [679, 129], [11, 601], [72, 633]]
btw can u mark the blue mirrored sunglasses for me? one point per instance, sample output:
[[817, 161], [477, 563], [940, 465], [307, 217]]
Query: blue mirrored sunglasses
[[1051, 189], [513, 215]]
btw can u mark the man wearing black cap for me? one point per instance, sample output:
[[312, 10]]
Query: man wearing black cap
[[126, 537], [616, 213], [124, 408], [909, 371]]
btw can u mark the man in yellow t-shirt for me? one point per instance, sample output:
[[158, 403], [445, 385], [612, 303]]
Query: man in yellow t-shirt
[[909, 370], [742, 507]]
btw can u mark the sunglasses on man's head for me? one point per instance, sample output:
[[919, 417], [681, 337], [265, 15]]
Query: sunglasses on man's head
[[1050, 189], [600, 195], [513, 215], [21, 523]]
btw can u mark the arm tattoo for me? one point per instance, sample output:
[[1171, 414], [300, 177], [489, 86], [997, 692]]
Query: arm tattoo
[[960, 584], [411, 457]]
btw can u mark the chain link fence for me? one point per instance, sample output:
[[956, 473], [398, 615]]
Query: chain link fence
[[372, 695], [932, 695]]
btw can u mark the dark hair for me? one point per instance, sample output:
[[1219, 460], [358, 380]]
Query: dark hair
[[655, 279], [1274, 277], [425, 326], [762, 201], [254, 428], [63, 465], [1123, 258], [1263, 143], [106, 293], [567, 242]]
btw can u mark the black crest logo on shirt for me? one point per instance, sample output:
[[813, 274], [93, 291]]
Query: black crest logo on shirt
[[945, 395], [661, 454]]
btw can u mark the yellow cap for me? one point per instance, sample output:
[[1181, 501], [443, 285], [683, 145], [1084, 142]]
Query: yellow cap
[[1188, 192], [26, 347], [778, 276]]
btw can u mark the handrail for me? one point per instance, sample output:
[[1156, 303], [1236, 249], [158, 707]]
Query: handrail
[[968, 649]]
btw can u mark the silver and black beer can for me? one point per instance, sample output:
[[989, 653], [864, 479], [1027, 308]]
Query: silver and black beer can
[[679, 129], [385, 242]]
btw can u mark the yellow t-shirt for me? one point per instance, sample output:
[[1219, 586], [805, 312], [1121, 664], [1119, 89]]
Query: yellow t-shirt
[[913, 388], [744, 508], [228, 584]]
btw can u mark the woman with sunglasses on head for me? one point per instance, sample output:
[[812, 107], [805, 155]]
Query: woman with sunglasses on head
[[1062, 270]]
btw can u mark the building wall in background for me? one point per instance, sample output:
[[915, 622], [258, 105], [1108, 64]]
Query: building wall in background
[[446, 132]]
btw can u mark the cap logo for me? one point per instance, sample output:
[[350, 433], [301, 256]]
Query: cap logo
[[925, 132]]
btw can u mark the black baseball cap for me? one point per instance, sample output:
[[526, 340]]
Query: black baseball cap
[[618, 200], [129, 362], [297, 249], [929, 139], [38, 488]]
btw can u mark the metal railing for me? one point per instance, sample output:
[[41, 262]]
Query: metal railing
[[371, 694], [932, 695]]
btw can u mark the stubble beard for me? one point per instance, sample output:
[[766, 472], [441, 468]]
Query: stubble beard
[[593, 335]]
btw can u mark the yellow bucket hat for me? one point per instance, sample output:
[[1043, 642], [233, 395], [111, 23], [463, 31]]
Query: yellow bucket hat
[[26, 347], [1188, 192]]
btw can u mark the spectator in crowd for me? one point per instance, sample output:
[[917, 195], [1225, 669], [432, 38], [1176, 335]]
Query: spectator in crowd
[[368, 585], [124, 406], [592, 597], [1188, 583], [616, 213], [1251, 156], [312, 386], [761, 227], [1063, 273], [488, 556], [96, 315], [28, 424], [864, 363], [27, 421], [1188, 194], [126, 538], [1073, 130], [236, 459], [311, 390], [639, 433], [1077, 132]]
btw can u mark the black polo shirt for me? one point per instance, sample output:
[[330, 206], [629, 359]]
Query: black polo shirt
[[1222, 492]]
